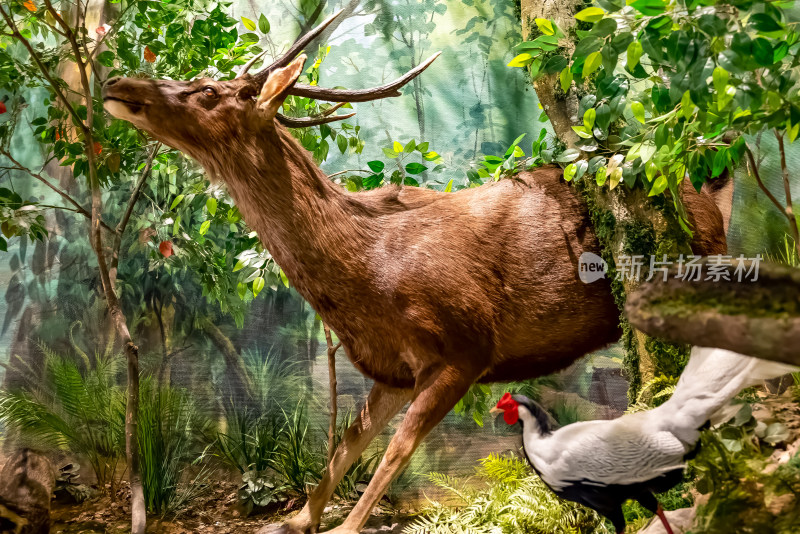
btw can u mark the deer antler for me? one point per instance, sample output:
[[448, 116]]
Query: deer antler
[[314, 120], [321, 93], [260, 77], [293, 122], [361, 95], [250, 63]]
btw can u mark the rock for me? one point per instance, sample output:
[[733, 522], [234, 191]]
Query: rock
[[26, 485], [680, 520]]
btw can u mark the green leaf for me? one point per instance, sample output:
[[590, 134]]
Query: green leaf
[[571, 154], [415, 168], [422, 148], [258, 285], [284, 278], [554, 64], [581, 166], [204, 227], [389, 153], [569, 172], [410, 146], [587, 45], [177, 225], [600, 176], [595, 163], [263, 24], [449, 187], [565, 78], [650, 8], [720, 77], [650, 170], [765, 23], [583, 132], [659, 186], [724, 98], [762, 52], [375, 166], [638, 111], [589, 118], [341, 142], [517, 141], [590, 14], [634, 54], [792, 131], [687, 106], [239, 266], [249, 24], [211, 205], [545, 26], [522, 60], [593, 61], [720, 162], [106, 58], [615, 177], [176, 202]]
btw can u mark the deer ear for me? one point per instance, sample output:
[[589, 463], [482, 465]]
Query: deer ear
[[273, 93]]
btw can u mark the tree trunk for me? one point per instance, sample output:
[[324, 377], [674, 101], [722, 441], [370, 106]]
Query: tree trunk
[[627, 222]]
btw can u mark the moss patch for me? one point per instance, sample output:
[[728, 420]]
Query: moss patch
[[640, 237], [671, 358], [760, 304]]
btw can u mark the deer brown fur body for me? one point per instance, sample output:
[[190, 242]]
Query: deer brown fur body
[[429, 292]]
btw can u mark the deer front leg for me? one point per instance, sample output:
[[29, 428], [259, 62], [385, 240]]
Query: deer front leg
[[382, 404], [435, 396]]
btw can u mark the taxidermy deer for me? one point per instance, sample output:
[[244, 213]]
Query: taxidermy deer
[[428, 292]]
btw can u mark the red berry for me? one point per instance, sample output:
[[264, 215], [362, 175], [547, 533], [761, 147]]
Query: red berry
[[98, 148], [2, 108], [166, 248]]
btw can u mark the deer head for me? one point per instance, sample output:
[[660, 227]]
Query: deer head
[[204, 116]]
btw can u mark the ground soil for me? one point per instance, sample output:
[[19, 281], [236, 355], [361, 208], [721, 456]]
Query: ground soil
[[214, 511]]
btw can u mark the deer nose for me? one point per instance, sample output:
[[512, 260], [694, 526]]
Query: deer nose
[[112, 81]]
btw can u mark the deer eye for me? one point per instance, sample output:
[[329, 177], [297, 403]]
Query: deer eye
[[209, 91]]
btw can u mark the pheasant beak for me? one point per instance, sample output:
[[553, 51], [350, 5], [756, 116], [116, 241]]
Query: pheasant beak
[[495, 410]]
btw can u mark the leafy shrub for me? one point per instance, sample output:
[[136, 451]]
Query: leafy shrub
[[298, 460], [513, 500], [248, 440], [167, 424], [81, 410], [654, 393], [259, 491]]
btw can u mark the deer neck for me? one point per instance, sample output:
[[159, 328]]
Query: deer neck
[[310, 226]]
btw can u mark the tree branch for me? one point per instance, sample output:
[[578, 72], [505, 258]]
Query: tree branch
[[334, 411], [757, 175], [345, 172], [137, 190], [78, 208], [787, 186]]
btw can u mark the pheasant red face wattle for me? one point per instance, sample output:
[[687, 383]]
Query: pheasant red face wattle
[[510, 409]]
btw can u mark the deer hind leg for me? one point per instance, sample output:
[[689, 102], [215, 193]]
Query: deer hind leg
[[382, 404], [436, 395]]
